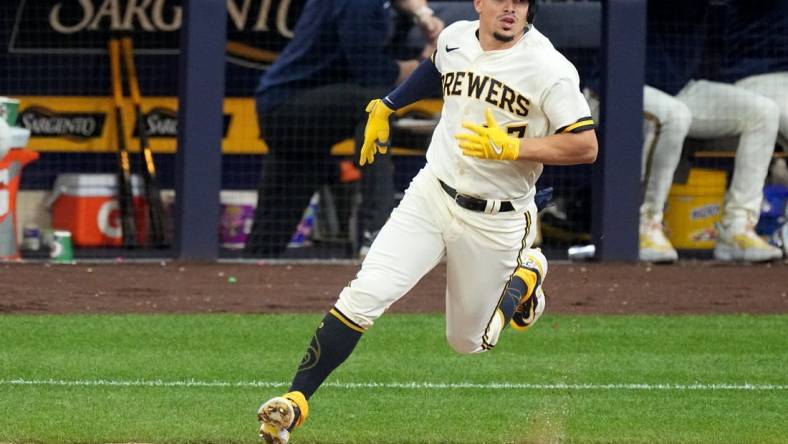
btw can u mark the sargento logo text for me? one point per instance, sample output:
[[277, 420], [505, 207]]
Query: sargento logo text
[[160, 122], [163, 122], [159, 15], [148, 15], [83, 26], [43, 122]]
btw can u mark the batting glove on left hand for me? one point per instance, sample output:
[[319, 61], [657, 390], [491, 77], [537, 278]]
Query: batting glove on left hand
[[488, 142], [376, 134]]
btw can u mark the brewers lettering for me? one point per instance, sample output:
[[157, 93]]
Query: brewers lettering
[[485, 88]]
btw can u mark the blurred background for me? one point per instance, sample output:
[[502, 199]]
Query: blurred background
[[62, 174]]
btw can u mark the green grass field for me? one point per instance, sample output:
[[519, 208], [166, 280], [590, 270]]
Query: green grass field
[[168, 379]]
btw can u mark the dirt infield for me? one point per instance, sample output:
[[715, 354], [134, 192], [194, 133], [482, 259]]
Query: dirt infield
[[174, 287]]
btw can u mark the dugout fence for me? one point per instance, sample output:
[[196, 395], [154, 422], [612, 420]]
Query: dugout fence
[[54, 60], [56, 63]]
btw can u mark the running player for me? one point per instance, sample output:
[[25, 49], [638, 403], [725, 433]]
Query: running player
[[511, 104]]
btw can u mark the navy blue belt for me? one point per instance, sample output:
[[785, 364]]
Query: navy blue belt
[[473, 203]]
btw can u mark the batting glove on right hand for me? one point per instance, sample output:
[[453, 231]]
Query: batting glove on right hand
[[376, 134], [488, 142]]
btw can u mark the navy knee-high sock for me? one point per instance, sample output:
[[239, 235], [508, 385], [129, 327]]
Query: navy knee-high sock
[[334, 340]]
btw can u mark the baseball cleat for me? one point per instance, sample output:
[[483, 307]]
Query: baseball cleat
[[276, 416], [281, 415], [741, 243], [528, 311], [654, 246], [531, 303]]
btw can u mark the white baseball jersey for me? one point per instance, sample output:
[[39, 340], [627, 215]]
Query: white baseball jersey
[[532, 90]]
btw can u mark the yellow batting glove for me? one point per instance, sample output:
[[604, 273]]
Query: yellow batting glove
[[376, 134], [488, 142]]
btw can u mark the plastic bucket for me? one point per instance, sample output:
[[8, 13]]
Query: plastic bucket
[[694, 208], [237, 215]]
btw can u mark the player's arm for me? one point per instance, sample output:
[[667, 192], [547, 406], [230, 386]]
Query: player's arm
[[560, 149], [491, 141], [424, 82], [406, 69], [572, 143], [423, 16]]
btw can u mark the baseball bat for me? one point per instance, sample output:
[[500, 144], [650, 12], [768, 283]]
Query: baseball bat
[[152, 193], [124, 163]]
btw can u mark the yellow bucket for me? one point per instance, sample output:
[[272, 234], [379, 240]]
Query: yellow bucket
[[694, 208]]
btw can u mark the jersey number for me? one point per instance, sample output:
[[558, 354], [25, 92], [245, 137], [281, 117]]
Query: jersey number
[[517, 130]]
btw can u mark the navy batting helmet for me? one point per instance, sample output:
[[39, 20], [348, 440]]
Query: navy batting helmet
[[532, 7]]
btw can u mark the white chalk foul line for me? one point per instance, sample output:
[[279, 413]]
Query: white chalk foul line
[[396, 385]]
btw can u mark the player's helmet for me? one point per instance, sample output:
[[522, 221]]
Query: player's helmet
[[532, 7]]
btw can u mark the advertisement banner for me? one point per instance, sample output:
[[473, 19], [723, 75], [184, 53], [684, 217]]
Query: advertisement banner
[[257, 30], [87, 124]]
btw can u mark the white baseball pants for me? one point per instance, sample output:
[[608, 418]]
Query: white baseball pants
[[482, 251], [775, 87], [665, 126], [720, 110]]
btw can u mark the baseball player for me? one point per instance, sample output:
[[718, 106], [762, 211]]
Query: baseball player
[[758, 59], [677, 103], [511, 104], [689, 100]]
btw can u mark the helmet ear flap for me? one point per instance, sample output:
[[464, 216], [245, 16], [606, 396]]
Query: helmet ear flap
[[532, 7]]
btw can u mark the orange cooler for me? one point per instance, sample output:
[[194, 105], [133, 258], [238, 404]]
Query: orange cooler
[[87, 206]]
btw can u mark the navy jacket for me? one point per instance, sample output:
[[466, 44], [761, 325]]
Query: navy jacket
[[335, 41]]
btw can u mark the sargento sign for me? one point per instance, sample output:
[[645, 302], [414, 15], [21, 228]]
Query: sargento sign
[[257, 30], [45, 122], [87, 124], [163, 122]]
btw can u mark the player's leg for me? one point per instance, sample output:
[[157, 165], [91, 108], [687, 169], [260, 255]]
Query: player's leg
[[281, 199], [667, 121], [526, 287], [491, 273], [408, 246], [665, 126], [300, 134], [720, 109], [775, 87]]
